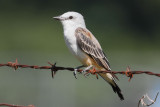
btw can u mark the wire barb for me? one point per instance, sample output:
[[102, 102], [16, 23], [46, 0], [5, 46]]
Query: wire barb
[[141, 101], [13, 64], [53, 69], [129, 73]]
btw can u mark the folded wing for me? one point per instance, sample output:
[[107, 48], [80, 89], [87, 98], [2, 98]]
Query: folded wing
[[89, 44]]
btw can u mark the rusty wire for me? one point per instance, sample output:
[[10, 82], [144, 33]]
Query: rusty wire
[[55, 68], [12, 105]]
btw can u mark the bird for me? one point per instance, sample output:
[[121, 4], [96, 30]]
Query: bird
[[85, 47]]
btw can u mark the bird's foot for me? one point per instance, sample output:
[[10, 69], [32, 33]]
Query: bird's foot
[[75, 71], [86, 73], [92, 71]]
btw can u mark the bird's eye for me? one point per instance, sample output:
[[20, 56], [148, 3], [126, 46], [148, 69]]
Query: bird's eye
[[70, 17]]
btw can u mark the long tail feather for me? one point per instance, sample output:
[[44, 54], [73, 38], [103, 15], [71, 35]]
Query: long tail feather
[[109, 78]]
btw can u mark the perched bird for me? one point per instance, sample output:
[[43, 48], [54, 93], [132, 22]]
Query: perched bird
[[85, 47]]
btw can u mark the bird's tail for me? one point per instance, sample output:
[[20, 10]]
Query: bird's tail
[[109, 78]]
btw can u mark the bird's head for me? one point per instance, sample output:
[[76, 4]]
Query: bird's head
[[73, 19]]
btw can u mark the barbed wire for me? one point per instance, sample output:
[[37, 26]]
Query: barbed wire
[[55, 68], [12, 105]]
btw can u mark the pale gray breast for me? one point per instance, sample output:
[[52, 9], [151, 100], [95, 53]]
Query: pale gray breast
[[71, 43]]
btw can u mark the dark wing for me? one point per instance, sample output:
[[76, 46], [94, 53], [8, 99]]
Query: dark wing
[[89, 44]]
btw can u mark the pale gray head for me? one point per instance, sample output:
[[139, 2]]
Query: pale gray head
[[71, 19]]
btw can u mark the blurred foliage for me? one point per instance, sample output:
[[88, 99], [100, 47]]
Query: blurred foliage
[[130, 24], [128, 31]]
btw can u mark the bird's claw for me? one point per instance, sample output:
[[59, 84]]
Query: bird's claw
[[86, 74], [85, 71], [75, 73]]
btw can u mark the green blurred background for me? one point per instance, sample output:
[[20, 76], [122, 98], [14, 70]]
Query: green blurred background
[[128, 31]]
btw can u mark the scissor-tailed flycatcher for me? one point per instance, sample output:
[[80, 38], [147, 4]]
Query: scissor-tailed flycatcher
[[82, 44]]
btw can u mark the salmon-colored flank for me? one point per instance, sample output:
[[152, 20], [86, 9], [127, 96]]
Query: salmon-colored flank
[[90, 61]]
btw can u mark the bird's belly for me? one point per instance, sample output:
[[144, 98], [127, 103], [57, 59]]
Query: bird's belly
[[78, 53]]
